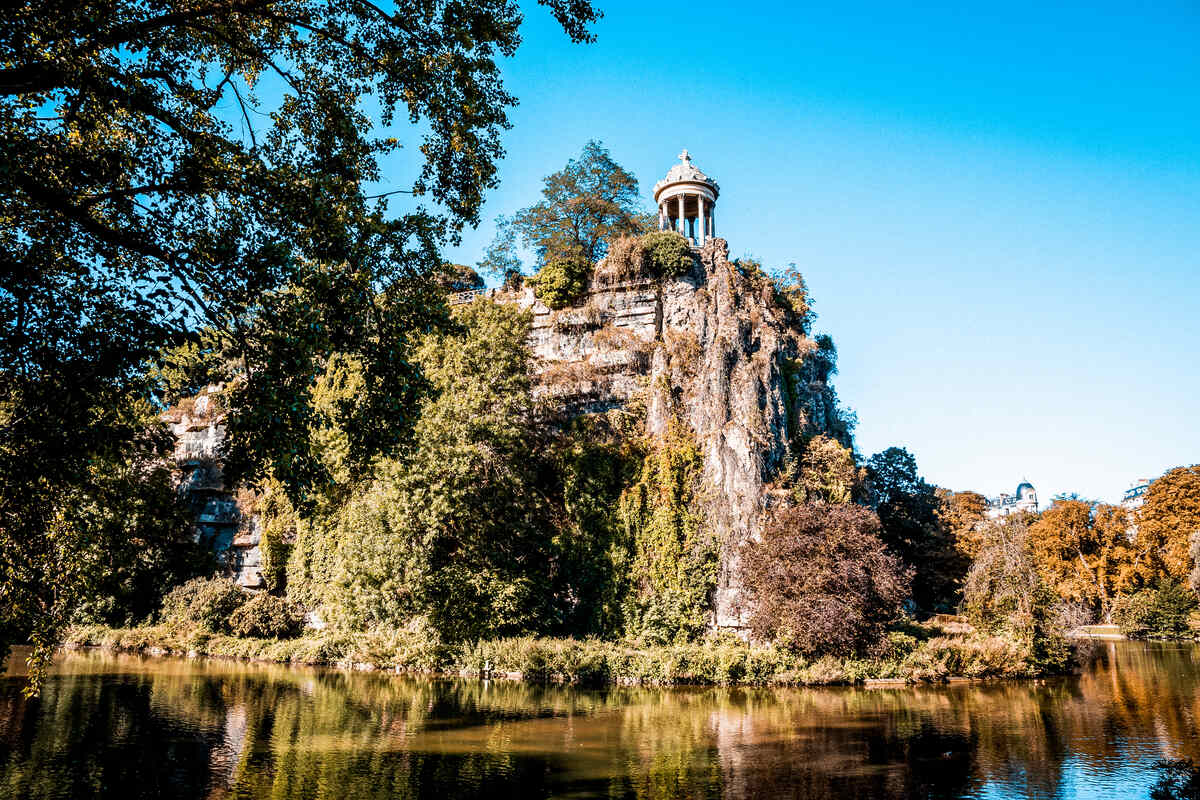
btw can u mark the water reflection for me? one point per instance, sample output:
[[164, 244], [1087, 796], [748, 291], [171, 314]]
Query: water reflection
[[127, 727]]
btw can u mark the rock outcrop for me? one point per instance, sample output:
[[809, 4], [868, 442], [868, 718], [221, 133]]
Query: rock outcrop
[[220, 521], [718, 349]]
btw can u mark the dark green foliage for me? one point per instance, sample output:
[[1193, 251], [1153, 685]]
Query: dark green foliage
[[205, 603], [563, 281], [265, 616], [103, 533], [593, 462], [1158, 613], [174, 168], [673, 572], [454, 533], [820, 581], [667, 254], [907, 508], [459, 278]]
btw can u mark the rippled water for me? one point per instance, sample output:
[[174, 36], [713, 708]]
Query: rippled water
[[129, 727]]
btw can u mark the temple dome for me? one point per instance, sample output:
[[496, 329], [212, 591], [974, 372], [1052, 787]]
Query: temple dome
[[686, 172], [686, 198]]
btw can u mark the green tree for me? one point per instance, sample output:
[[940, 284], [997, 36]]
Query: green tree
[[136, 211], [456, 532], [907, 507], [584, 206], [592, 461], [673, 569]]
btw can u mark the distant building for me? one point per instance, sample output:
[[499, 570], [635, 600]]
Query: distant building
[[1135, 495], [1025, 499]]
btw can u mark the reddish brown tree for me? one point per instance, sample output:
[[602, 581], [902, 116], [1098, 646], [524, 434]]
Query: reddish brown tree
[[821, 580]]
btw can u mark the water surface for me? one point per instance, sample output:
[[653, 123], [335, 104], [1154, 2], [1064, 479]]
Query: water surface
[[119, 726]]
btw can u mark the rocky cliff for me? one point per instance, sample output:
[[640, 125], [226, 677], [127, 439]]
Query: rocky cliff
[[724, 350], [719, 349]]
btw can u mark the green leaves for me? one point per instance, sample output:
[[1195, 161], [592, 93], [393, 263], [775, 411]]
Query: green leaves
[[172, 167]]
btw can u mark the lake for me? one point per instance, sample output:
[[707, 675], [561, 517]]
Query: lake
[[122, 726]]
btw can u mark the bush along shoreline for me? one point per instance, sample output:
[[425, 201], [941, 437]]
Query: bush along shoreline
[[921, 653]]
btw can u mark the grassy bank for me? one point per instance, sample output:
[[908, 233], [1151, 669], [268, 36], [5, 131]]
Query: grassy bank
[[925, 654]]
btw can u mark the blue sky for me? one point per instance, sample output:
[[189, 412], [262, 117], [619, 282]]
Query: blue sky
[[997, 209]]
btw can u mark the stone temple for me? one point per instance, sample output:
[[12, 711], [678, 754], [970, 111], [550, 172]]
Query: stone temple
[[686, 198]]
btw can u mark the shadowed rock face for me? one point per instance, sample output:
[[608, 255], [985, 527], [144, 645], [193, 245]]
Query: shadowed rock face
[[713, 349]]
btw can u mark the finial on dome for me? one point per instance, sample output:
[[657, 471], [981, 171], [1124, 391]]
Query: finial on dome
[[685, 156]]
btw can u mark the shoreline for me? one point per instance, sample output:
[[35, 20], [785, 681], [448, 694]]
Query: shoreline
[[939, 660]]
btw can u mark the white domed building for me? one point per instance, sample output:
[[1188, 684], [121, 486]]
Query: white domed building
[[686, 200], [1025, 499]]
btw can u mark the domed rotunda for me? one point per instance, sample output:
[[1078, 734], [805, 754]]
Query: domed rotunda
[[686, 198]]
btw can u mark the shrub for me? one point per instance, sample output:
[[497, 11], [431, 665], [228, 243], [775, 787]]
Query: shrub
[[207, 603], [1160, 613], [666, 254], [265, 616], [822, 582], [562, 282]]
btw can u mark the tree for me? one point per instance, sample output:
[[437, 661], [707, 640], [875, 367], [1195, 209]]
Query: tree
[[821, 580], [585, 205], [907, 507], [137, 211], [961, 514], [1085, 555], [827, 472], [673, 555], [1169, 517], [456, 531], [1004, 592]]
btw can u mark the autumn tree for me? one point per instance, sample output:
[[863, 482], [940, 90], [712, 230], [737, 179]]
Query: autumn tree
[[1085, 555], [828, 473], [178, 166], [821, 581], [961, 514], [1169, 518], [1004, 592]]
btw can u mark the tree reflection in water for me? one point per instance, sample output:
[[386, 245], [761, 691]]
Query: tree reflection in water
[[125, 727]]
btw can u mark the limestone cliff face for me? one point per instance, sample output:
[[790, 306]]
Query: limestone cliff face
[[716, 349]]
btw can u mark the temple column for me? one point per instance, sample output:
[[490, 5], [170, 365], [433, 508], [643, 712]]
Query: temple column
[[700, 220], [682, 219]]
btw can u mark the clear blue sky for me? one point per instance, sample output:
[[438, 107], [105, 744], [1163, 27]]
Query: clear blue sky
[[997, 209]]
